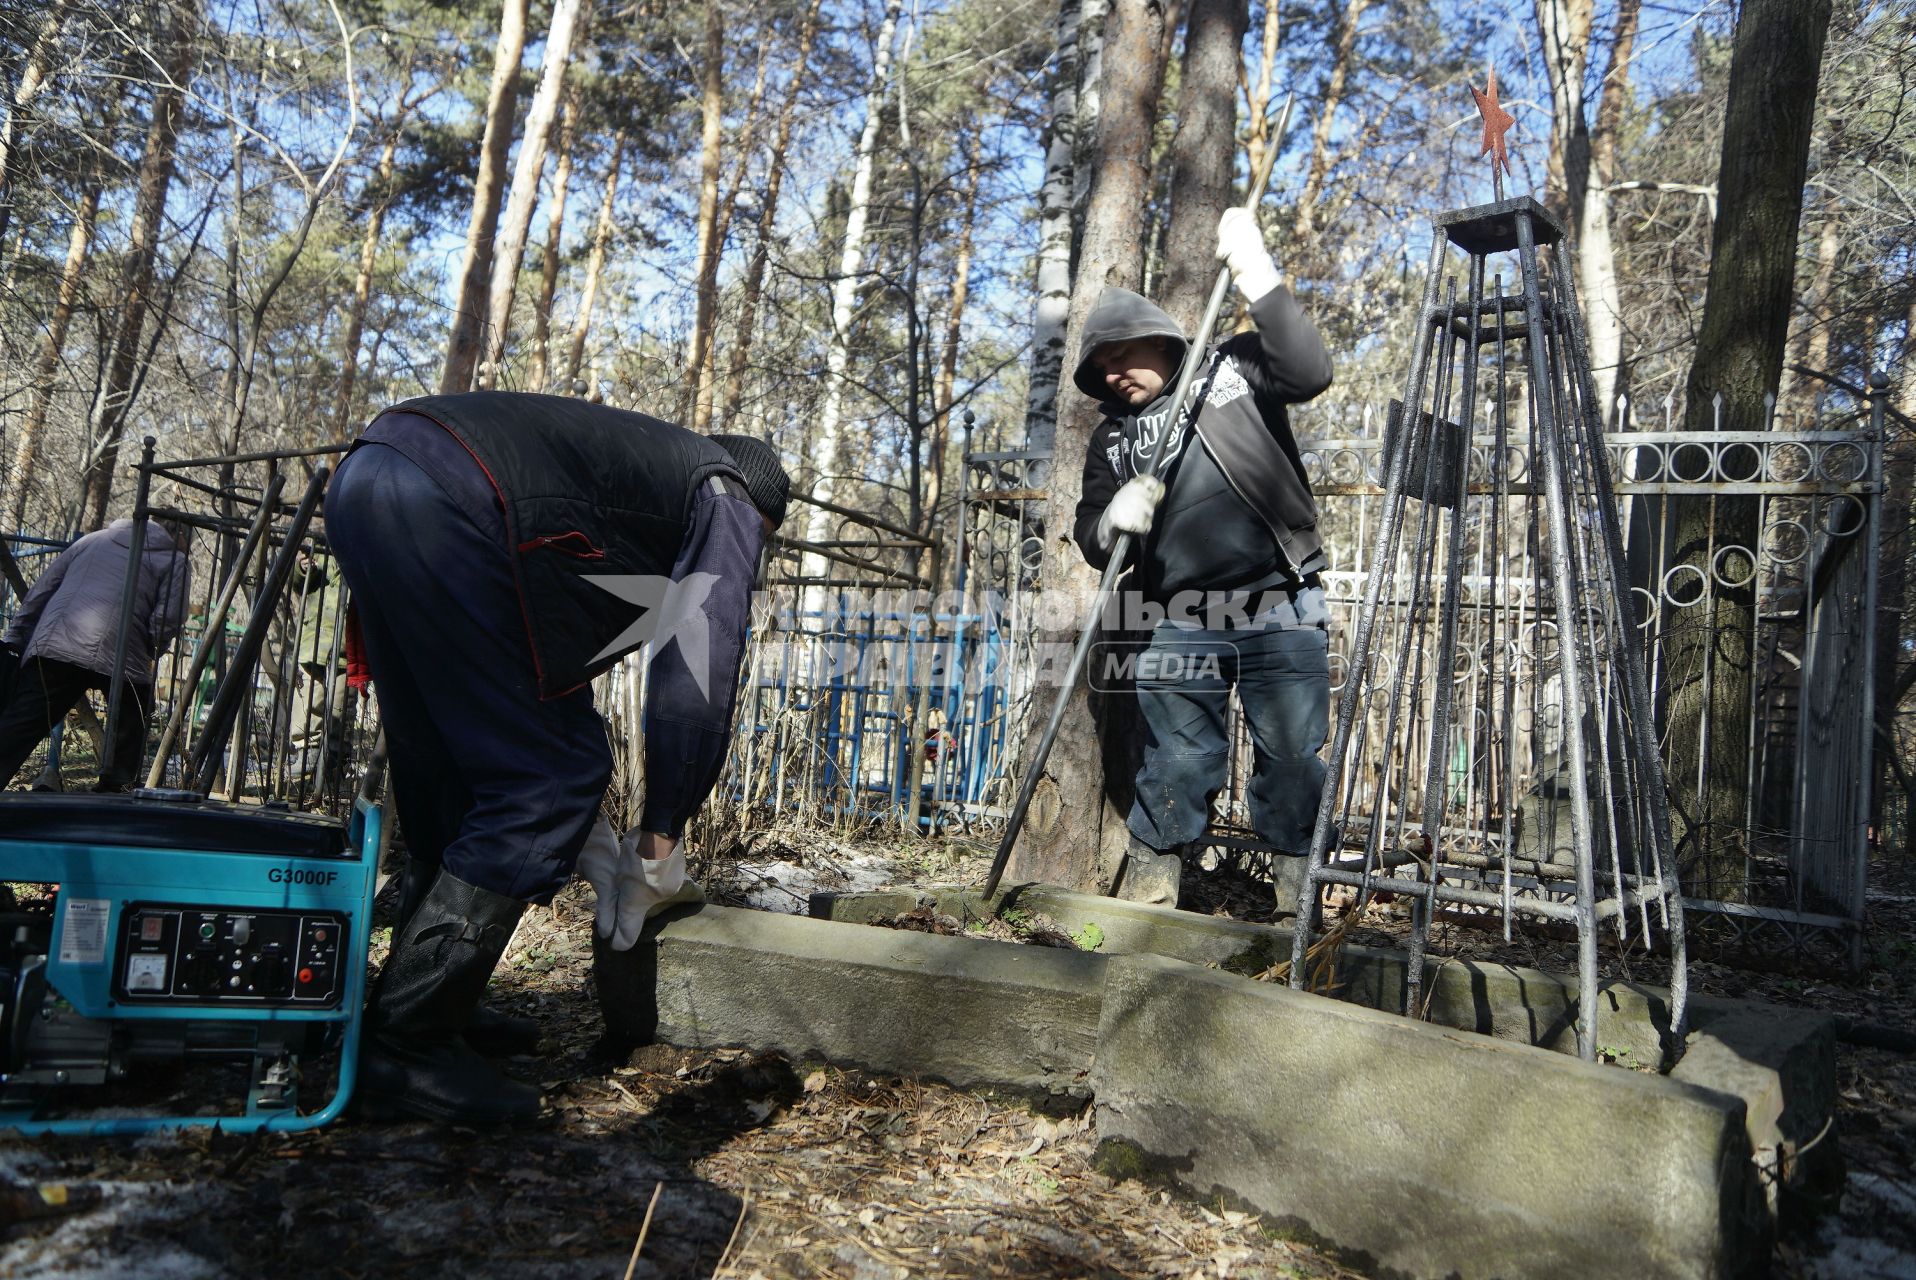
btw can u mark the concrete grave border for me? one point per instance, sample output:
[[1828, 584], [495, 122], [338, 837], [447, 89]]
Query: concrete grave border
[[1422, 1149]]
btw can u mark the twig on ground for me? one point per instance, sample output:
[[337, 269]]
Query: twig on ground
[[644, 1227]]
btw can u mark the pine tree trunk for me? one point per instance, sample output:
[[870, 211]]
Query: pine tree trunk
[[27, 448], [149, 209], [1766, 136], [1054, 245], [363, 285], [851, 260], [595, 264], [549, 260], [767, 222], [1076, 833], [488, 186], [509, 249], [1203, 156], [698, 397], [1596, 254]]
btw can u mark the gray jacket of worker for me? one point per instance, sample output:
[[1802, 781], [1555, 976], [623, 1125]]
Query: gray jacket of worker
[[72, 613]]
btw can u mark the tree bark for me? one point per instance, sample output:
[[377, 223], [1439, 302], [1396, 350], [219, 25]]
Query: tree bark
[[1766, 135], [549, 260], [1077, 834], [1091, 24], [149, 209], [363, 282], [1596, 254], [595, 264], [488, 186], [27, 448], [509, 248], [767, 222], [1343, 50], [33, 78], [1054, 245], [851, 261], [954, 327], [1564, 28], [1203, 156], [698, 397]]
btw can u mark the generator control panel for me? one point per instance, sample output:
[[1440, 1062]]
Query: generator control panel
[[176, 954]]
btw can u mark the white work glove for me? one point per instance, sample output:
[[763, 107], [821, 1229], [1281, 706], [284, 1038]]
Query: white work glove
[[1240, 246], [631, 889], [1130, 509], [599, 865]]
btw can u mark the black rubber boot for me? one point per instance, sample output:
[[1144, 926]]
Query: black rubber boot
[[492, 1032], [415, 1060], [1149, 876]]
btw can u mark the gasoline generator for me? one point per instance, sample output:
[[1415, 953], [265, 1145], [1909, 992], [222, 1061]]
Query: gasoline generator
[[182, 931]]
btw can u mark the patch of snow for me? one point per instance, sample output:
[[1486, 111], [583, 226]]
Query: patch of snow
[[787, 886]]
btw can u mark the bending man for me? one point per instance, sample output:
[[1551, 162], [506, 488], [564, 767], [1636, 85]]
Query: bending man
[[502, 550]]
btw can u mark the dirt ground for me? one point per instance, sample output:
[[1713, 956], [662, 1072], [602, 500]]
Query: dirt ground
[[680, 1163]]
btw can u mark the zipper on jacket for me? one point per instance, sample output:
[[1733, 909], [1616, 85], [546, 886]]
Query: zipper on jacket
[[570, 543]]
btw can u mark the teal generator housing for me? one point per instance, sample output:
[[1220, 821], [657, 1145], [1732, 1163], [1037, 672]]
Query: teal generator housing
[[181, 930]]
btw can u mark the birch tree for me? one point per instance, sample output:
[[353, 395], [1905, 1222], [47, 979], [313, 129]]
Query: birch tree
[[469, 310], [595, 262], [523, 196], [825, 443], [698, 399], [746, 329], [1054, 242], [549, 258], [33, 78], [1596, 251]]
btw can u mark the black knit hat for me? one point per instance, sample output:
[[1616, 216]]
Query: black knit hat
[[764, 474]]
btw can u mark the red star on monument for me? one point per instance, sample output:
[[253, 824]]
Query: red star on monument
[[1497, 123]]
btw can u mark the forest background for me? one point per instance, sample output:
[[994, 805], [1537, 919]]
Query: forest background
[[247, 225]]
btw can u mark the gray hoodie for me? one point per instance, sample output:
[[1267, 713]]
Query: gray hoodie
[[1238, 514], [72, 612]]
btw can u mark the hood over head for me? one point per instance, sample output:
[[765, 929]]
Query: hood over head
[[1118, 316]]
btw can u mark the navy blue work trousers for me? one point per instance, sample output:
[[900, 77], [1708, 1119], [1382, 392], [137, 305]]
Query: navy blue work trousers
[[494, 784], [1184, 681]]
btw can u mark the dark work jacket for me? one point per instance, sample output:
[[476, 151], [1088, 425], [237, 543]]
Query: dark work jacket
[[586, 491], [1238, 513]]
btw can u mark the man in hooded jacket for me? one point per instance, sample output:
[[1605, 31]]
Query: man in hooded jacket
[[67, 631], [1228, 560]]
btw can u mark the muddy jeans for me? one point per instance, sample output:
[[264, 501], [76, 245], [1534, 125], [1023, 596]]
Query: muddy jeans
[[1184, 681]]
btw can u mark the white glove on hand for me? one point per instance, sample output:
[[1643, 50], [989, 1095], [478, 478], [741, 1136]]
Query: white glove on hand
[[599, 864], [1130, 509], [631, 889], [1240, 246], [647, 886]]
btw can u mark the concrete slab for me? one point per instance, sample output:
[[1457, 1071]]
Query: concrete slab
[[1428, 1151], [1781, 1062], [970, 1012]]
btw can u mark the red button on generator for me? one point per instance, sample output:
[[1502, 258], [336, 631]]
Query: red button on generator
[[305, 977]]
